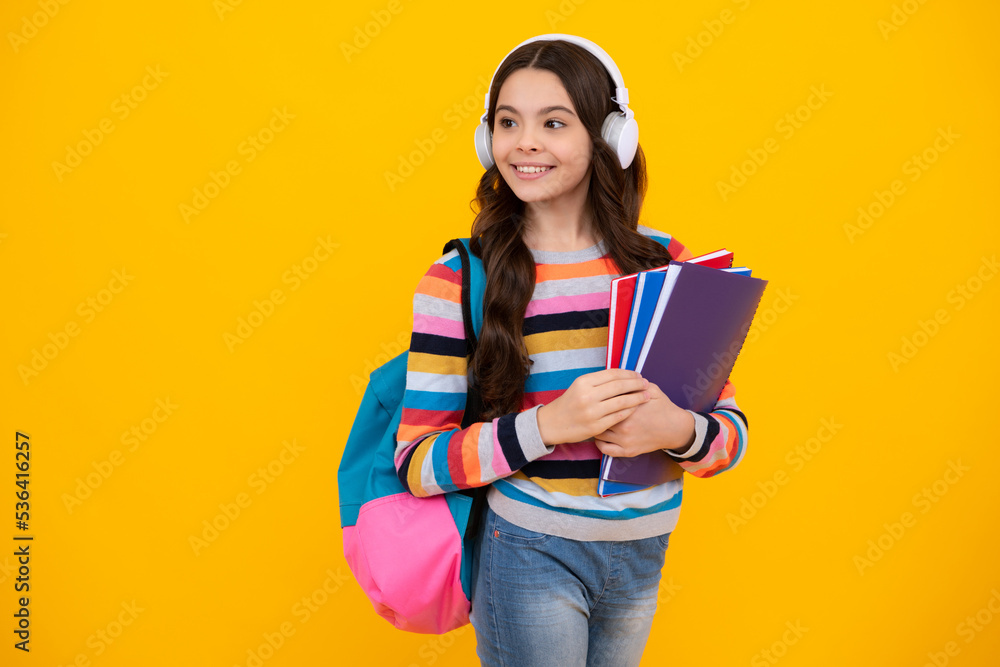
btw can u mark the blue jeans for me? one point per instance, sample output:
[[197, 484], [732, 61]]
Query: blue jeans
[[540, 599]]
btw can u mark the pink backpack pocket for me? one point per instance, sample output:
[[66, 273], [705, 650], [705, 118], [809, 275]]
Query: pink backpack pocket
[[406, 553]]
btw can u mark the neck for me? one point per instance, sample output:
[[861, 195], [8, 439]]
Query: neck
[[552, 230]]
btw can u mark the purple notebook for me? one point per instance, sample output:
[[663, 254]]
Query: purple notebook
[[696, 334]]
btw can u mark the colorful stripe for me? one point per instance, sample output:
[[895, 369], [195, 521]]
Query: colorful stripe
[[565, 333]]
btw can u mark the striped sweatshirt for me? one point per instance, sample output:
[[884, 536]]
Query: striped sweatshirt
[[547, 489]]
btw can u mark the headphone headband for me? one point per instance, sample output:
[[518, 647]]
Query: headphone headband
[[621, 92], [619, 129]]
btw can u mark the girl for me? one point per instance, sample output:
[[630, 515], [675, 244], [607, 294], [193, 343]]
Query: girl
[[564, 576]]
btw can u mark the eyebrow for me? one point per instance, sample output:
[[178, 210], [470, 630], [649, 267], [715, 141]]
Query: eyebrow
[[541, 112]]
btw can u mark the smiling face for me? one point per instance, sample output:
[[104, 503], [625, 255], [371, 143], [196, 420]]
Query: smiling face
[[536, 124]]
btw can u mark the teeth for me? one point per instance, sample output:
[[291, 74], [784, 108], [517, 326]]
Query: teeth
[[532, 170]]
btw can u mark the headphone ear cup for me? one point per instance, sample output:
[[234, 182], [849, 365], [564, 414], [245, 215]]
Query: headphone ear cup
[[484, 145], [622, 134]]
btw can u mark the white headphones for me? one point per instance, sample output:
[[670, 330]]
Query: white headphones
[[619, 129]]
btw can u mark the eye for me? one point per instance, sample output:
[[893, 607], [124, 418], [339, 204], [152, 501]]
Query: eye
[[504, 120]]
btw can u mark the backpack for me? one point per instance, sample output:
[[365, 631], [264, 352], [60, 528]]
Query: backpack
[[412, 556]]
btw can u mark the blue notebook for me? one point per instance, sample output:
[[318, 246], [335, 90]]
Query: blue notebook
[[647, 293]]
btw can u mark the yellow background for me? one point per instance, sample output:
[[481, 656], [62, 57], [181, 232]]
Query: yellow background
[[351, 117]]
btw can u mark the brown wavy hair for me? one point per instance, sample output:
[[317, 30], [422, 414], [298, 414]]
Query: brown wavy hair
[[500, 363]]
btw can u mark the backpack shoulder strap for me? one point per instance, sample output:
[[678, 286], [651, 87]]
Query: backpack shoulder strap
[[473, 288], [665, 242]]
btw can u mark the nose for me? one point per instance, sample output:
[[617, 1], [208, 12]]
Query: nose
[[526, 141]]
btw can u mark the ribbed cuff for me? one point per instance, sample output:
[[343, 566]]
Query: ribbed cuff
[[528, 435], [700, 428]]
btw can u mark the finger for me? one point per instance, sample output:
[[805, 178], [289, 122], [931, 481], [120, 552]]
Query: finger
[[656, 392], [622, 402], [609, 448], [609, 436], [619, 387], [612, 374], [609, 420]]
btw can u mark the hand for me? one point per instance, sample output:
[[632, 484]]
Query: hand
[[593, 403], [656, 424]]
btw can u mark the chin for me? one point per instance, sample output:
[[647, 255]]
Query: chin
[[530, 196]]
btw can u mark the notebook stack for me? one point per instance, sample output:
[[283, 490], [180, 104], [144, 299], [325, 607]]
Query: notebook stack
[[682, 326]]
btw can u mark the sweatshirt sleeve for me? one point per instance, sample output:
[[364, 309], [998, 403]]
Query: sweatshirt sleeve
[[720, 438], [434, 454]]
